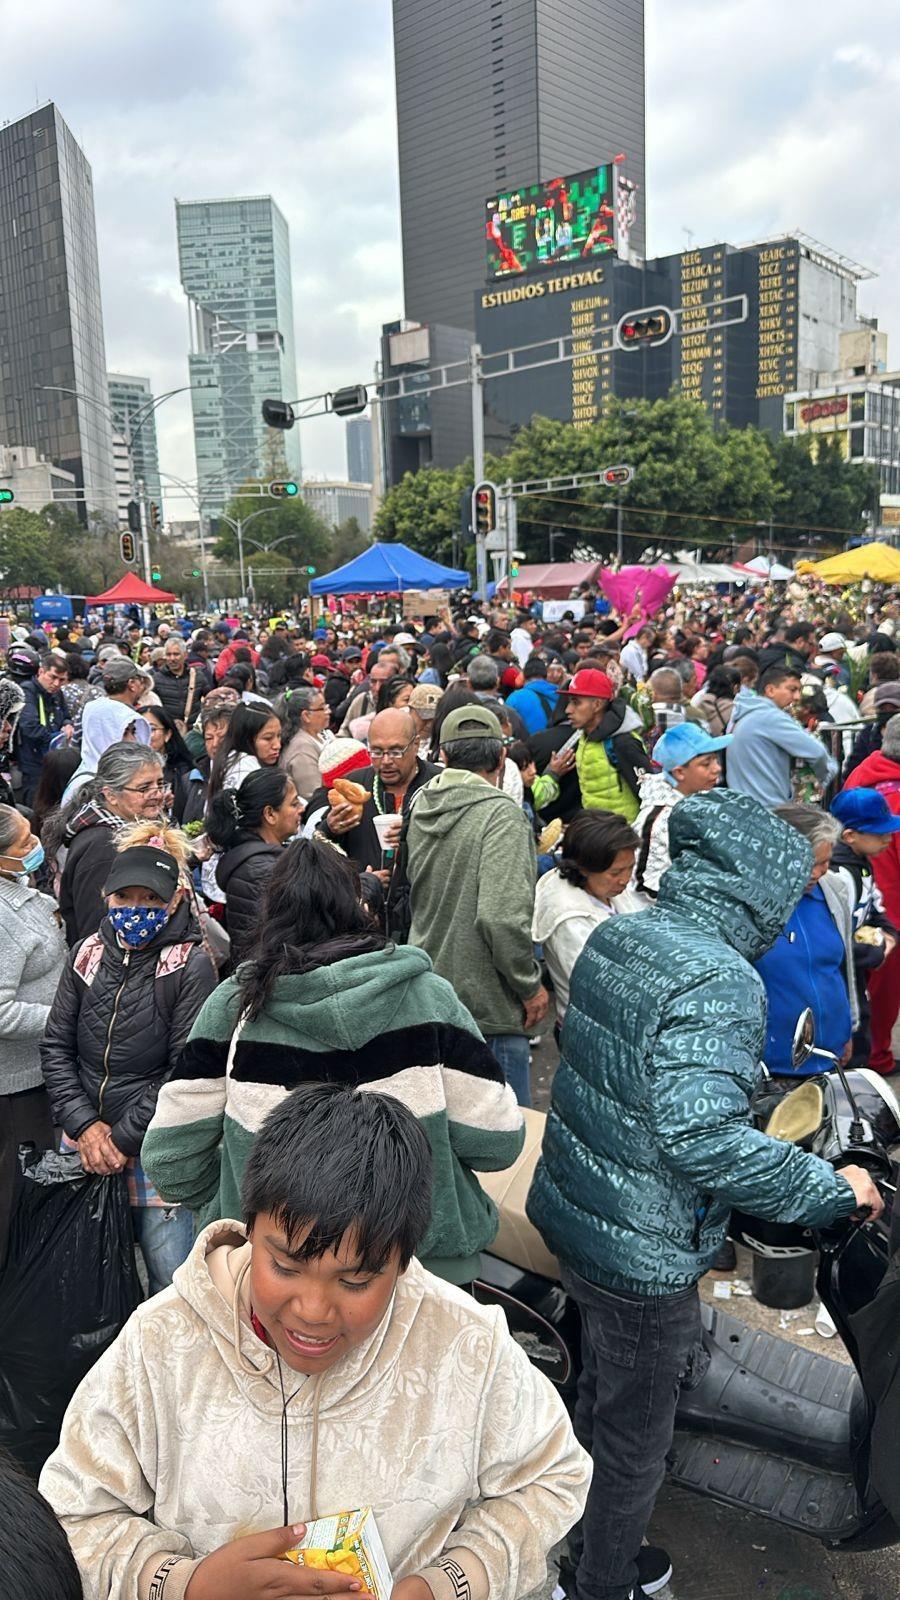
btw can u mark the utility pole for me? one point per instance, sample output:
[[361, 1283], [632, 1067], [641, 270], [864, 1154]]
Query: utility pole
[[619, 540], [145, 541], [477, 383]]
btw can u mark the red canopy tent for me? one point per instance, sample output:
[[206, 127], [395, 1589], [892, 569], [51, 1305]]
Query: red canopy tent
[[552, 580], [132, 591]]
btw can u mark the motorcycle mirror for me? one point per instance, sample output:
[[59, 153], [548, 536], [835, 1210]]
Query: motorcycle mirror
[[804, 1040]]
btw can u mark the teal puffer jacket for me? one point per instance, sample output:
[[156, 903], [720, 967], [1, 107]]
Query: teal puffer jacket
[[649, 1142]]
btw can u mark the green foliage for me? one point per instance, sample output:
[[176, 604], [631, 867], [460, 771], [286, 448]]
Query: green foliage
[[695, 485], [347, 541], [289, 528]]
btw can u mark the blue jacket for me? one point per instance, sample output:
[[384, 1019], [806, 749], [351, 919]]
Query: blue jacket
[[535, 703], [766, 739], [649, 1141], [807, 966]]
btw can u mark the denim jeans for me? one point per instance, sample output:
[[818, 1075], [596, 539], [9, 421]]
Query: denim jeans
[[636, 1352], [514, 1056], [165, 1235]]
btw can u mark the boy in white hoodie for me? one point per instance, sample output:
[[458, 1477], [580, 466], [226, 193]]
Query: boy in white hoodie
[[305, 1364], [690, 764]]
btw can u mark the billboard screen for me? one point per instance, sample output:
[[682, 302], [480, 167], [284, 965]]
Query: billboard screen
[[544, 224]]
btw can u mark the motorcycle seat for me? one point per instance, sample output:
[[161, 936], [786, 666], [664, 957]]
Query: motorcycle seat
[[518, 1240]]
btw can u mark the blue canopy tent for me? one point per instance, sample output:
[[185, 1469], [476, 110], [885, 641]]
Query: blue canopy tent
[[388, 569]]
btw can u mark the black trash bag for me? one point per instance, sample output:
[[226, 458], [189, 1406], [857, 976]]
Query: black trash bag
[[69, 1285]]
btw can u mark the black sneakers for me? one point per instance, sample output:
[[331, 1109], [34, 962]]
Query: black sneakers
[[654, 1572], [654, 1569]]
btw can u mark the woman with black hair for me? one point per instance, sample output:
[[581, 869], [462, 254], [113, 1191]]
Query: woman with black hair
[[242, 677], [250, 826], [716, 702], [253, 740], [589, 884], [440, 665], [324, 996], [167, 741]]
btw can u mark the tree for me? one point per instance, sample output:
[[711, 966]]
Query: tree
[[29, 550], [423, 509], [289, 527], [347, 541], [818, 488]]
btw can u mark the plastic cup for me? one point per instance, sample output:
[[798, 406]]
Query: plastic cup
[[385, 827]]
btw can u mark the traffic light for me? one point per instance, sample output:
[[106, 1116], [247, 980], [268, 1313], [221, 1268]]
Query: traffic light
[[283, 490], [484, 509], [514, 569], [6, 497], [155, 575], [196, 573], [311, 572], [127, 548], [154, 515], [134, 516], [618, 475], [351, 401], [278, 414], [645, 329]]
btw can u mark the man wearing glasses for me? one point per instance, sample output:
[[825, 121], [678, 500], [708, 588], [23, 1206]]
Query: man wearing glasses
[[393, 778], [44, 715]]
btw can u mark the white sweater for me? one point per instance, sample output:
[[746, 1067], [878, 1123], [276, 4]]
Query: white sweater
[[564, 919], [171, 1446]]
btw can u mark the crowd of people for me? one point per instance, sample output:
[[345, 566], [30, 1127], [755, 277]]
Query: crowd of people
[[286, 909]]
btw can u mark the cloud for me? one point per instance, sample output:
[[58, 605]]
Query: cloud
[[763, 115]]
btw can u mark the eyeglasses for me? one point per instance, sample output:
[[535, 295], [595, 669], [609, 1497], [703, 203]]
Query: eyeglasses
[[394, 754], [144, 788]]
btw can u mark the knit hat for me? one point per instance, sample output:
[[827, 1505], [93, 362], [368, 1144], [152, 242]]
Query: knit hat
[[340, 757]]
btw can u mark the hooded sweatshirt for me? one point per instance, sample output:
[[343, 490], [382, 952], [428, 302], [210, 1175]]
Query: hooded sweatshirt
[[472, 870], [381, 1019], [882, 772], [766, 739], [565, 916], [607, 762], [657, 796], [172, 1446], [649, 1141], [103, 724]]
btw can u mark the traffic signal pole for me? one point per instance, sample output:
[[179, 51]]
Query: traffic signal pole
[[141, 490], [477, 387]]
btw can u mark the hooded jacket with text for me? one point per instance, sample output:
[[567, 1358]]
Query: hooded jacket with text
[[649, 1141]]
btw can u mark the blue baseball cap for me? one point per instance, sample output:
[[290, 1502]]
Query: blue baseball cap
[[684, 743], [864, 810]]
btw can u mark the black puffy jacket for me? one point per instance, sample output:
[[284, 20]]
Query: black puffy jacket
[[118, 1025], [242, 874]]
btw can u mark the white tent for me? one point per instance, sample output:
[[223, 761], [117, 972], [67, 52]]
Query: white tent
[[768, 567]]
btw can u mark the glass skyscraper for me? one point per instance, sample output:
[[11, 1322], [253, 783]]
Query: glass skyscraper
[[51, 321], [235, 263], [129, 402]]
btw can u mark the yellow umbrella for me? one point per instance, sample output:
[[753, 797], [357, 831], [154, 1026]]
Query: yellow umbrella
[[877, 561]]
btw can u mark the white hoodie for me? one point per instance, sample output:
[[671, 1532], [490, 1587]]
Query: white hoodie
[[171, 1447], [103, 724], [564, 919]]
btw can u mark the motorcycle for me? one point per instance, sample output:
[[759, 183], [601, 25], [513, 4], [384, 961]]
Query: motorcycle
[[766, 1426]]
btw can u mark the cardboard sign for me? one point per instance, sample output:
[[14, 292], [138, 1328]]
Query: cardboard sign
[[424, 602]]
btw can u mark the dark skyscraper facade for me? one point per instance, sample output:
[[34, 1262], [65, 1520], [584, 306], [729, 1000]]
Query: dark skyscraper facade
[[51, 320], [492, 94]]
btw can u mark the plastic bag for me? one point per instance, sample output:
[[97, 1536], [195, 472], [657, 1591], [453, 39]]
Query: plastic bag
[[69, 1285]]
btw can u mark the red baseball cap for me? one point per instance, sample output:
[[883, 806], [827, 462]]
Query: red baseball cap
[[593, 685]]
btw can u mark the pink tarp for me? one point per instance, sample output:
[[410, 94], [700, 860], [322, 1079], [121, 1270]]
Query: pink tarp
[[648, 587]]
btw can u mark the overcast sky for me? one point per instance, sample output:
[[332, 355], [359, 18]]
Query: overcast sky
[[763, 115]]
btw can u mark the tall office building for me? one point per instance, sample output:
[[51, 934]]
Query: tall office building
[[492, 94], [51, 320], [130, 400], [235, 262], [359, 449]]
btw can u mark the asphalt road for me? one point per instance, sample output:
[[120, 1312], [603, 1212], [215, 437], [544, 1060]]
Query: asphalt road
[[722, 1554]]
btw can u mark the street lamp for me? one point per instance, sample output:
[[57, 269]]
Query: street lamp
[[238, 524]]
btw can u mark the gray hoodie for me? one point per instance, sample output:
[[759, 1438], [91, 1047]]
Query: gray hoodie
[[766, 739]]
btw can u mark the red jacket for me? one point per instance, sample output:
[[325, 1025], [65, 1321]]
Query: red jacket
[[227, 658], [879, 772]]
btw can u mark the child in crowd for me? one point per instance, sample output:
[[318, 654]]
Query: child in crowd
[[304, 1363]]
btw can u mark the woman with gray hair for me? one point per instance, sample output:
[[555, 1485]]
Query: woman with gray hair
[[306, 721], [129, 787], [811, 961], [32, 957]]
